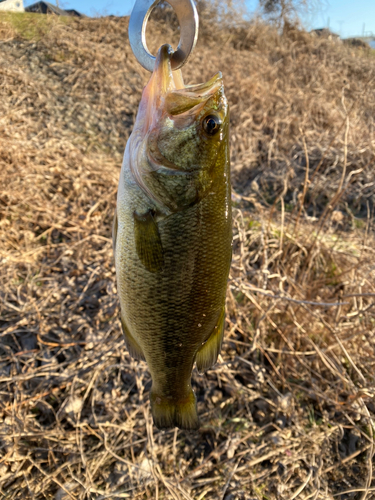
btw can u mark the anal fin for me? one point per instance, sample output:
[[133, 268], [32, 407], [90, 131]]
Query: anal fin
[[147, 242], [132, 345], [208, 353]]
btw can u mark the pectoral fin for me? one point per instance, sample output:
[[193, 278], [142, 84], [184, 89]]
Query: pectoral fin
[[208, 353], [132, 345], [148, 242]]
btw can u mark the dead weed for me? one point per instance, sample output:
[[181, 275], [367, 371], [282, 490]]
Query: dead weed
[[288, 412]]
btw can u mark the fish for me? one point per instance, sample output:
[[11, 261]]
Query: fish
[[172, 236]]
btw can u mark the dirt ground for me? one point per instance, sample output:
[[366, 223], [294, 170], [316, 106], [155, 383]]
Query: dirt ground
[[288, 411]]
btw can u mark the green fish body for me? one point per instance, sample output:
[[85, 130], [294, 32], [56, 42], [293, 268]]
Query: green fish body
[[172, 236]]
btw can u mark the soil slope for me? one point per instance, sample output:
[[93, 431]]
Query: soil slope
[[288, 411]]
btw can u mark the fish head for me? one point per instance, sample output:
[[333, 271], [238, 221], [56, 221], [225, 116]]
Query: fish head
[[184, 132]]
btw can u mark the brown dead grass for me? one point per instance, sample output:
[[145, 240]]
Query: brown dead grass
[[288, 412]]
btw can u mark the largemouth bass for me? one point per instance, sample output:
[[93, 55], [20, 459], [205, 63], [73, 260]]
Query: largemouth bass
[[172, 236]]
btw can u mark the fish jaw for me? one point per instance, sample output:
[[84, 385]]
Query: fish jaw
[[163, 80]]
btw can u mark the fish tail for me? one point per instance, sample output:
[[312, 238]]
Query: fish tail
[[168, 412]]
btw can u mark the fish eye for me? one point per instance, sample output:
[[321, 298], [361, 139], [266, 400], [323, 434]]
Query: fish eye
[[211, 124]]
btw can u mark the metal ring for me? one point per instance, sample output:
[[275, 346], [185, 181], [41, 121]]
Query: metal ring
[[188, 18]]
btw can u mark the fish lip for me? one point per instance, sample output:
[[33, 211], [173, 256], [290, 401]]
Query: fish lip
[[210, 87], [163, 74], [161, 82]]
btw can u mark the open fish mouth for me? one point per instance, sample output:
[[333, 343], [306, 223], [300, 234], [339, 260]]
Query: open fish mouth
[[167, 93]]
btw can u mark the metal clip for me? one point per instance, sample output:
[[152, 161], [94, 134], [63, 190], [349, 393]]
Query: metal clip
[[188, 18]]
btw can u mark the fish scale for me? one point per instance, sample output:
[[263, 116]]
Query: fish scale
[[173, 258]]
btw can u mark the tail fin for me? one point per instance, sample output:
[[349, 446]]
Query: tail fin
[[181, 413]]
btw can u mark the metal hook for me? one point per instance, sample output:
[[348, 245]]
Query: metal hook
[[188, 18]]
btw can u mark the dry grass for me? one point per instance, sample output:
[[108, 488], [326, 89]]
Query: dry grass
[[288, 412]]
